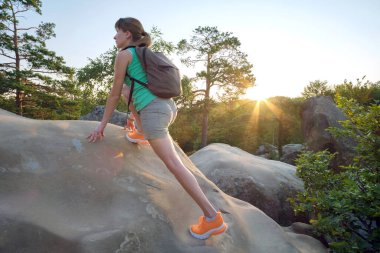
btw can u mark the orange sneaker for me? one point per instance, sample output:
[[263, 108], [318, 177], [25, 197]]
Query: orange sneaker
[[205, 228], [135, 137]]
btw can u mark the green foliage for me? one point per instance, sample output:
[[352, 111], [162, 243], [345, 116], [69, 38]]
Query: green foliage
[[159, 44], [345, 205], [96, 79], [364, 91], [286, 115], [34, 81], [187, 98], [317, 88], [242, 123], [186, 128]]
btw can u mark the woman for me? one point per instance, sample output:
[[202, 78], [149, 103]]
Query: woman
[[155, 115]]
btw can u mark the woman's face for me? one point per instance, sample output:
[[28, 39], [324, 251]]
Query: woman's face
[[122, 38]]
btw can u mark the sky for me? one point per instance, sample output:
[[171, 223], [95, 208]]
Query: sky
[[289, 42]]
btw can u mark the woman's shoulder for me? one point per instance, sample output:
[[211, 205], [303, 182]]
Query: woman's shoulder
[[124, 55]]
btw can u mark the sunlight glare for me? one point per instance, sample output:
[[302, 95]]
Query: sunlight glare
[[257, 93]]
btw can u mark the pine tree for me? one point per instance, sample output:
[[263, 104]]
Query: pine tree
[[224, 66], [34, 81]]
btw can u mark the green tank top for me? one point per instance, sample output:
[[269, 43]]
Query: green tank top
[[141, 95]]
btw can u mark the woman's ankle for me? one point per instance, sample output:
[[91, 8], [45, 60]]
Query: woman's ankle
[[211, 216], [139, 132]]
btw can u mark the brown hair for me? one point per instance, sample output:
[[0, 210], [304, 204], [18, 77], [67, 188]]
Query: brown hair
[[140, 38]]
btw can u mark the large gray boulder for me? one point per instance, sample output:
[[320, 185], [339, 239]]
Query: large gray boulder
[[319, 113], [117, 118], [59, 193], [266, 184]]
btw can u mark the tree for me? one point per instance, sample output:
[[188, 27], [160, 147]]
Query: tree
[[317, 88], [224, 67], [95, 80], [35, 77], [345, 205]]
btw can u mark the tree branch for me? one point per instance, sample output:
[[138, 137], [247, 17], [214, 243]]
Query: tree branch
[[21, 11], [193, 47], [44, 72], [7, 64], [44, 87], [199, 91], [197, 95], [216, 73], [212, 84], [9, 29], [197, 60], [5, 55], [25, 29]]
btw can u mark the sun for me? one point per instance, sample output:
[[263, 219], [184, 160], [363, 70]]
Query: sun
[[256, 93]]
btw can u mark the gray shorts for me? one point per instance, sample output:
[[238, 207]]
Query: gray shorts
[[157, 116]]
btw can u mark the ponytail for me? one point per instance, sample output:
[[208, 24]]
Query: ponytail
[[144, 41]]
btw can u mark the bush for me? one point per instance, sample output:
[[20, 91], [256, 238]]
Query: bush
[[344, 206]]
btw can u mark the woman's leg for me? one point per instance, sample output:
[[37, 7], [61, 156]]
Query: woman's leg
[[125, 93], [165, 150]]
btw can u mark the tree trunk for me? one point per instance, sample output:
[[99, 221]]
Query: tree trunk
[[19, 92], [280, 136], [206, 106], [205, 123]]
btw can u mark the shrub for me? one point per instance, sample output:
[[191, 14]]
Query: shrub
[[344, 206]]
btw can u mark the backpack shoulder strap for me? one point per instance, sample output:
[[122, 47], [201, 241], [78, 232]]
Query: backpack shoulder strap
[[128, 47], [144, 58], [145, 65]]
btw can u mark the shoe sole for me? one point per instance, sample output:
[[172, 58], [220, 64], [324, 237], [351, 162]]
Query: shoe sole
[[142, 142], [213, 231]]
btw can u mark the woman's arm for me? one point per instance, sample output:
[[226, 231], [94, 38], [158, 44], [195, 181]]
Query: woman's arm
[[122, 60]]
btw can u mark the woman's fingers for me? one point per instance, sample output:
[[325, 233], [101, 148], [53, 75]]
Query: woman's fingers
[[94, 136]]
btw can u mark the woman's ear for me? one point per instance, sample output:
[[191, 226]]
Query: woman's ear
[[128, 34]]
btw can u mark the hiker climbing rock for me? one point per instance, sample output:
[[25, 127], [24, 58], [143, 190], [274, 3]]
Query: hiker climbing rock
[[153, 116]]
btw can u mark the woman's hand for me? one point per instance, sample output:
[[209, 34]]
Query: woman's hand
[[96, 134]]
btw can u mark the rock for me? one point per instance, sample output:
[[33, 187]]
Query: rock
[[290, 153], [301, 228], [264, 183], [319, 113], [59, 193], [267, 151], [305, 229], [118, 118]]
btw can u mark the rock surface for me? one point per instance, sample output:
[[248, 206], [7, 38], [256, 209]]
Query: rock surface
[[319, 113], [290, 153], [59, 193], [264, 183], [268, 151]]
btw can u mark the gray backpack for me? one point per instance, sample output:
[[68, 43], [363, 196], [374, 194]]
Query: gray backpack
[[163, 76]]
